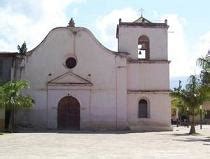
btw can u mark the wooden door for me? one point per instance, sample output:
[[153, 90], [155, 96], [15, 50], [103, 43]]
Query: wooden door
[[69, 113]]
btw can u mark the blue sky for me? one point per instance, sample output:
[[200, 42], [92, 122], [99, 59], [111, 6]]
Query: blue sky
[[189, 32], [194, 12]]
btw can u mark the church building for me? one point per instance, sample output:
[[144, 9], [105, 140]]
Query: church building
[[78, 84]]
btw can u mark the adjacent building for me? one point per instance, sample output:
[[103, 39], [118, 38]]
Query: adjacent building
[[206, 105], [7, 73]]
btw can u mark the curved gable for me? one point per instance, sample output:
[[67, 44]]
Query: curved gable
[[72, 31]]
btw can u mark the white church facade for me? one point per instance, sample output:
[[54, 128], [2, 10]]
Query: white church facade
[[78, 84]]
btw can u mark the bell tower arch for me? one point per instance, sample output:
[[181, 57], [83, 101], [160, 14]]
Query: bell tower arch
[[143, 39]]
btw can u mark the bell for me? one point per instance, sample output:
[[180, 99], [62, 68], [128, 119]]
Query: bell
[[143, 46]]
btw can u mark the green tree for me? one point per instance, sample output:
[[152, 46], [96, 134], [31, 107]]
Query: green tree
[[22, 49], [192, 96], [204, 63], [179, 104], [11, 98]]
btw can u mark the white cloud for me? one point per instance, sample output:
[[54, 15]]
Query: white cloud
[[30, 21], [203, 44], [183, 61], [183, 54], [106, 25]]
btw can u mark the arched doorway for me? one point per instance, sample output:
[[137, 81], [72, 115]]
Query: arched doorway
[[69, 113]]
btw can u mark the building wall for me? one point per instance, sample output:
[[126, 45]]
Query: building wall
[[159, 111], [103, 68], [111, 102], [148, 78], [6, 74], [5, 68], [151, 82], [206, 107]]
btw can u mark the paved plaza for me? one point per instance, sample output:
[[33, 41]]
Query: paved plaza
[[114, 145]]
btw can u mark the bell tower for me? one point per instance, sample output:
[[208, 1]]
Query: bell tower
[[147, 72], [143, 39]]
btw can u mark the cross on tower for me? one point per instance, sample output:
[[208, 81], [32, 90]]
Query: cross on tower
[[141, 11]]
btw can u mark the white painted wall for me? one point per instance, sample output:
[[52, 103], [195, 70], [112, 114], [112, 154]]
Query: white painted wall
[[159, 111], [107, 104], [56, 94], [151, 76], [148, 76], [121, 80], [107, 71]]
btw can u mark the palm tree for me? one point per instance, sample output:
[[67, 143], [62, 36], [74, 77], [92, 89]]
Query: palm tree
[[193, 95], [11, 98]]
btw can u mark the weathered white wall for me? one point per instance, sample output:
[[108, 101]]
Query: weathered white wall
[[99, 102], [153, 78], [35, 117], [159, 111], [121, 82], [147, 79], [128, 41], [148, 76], [56, 94], [107, 104]]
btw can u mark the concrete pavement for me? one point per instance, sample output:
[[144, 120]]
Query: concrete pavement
[[121, 145]]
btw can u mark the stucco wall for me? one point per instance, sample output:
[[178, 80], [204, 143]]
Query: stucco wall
[[159, 111], [105, 70], [5, 68], [147, 79], [148, 76], [105, 102], [121, 92]]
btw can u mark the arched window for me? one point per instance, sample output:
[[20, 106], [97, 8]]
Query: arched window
[[143, 47], [143, 109]]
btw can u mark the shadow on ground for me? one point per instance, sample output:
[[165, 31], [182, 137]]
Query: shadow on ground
[[184, 134], [83, 131], [206, 140], [75, 131]]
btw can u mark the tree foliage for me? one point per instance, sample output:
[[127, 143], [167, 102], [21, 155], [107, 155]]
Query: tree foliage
[[11, 98], [192, 96], [10, 95], [178, 103], [22, 49], [204, 63]]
